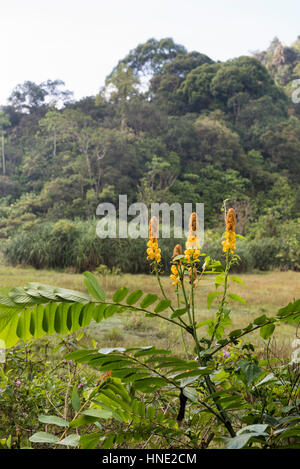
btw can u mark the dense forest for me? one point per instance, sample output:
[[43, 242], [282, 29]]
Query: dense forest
[[168, 126]]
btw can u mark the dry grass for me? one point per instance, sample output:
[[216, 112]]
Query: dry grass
[[265, 293]]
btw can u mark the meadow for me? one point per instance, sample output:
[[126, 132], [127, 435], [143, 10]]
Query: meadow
[[264, 292]]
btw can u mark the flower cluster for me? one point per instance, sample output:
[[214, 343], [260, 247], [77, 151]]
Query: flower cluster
[[230, 237], [175, 269], [175, 276], [153, 251], [192, 251]]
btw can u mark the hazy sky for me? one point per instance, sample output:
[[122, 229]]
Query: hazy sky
[[80, 41]]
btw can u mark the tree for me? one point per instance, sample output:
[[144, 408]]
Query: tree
[[159, 178], [218, 145], [281, 144], [28, 97], [149, 58], [4, 124], [196, 88], [120, 86], [165, 84]]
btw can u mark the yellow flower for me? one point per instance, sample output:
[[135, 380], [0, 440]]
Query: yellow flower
[[230, 236], [153, 251], [175, 268], [192, 244]]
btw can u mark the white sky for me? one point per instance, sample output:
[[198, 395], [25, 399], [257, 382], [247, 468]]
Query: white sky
[[80, 41]]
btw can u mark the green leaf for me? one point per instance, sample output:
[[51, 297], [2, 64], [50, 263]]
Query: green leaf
[[250, 369], [290, 432], [134, 297], [43, 437], [93, 286], [235, 297], [148, 384], [75, 398], [53, 420], [177, 258], [110, 311], [120, 294], [259, 429], [260, 320], [162, 305], [97, 413], [178, 312], [237, 280], [190, 393], [148, 300], [219, 279], [290, 308], [267, 379], [70, 440], [240, 441], [267, 330], [211, 296], [235, 333], [90, 441], [71, 295]]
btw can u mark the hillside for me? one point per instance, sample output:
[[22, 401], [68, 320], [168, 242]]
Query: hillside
[[168, 126]]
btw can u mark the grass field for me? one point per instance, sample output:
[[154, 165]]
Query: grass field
[[264, 293]]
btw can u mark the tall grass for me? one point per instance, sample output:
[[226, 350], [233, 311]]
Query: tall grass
[[75, 245]]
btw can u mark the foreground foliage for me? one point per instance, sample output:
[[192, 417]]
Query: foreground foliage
[[221, 392]]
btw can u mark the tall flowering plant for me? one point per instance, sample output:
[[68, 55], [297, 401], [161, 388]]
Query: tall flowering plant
[[214, 390]]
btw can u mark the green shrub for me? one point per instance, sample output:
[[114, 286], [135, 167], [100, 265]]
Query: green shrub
[[74, 244]]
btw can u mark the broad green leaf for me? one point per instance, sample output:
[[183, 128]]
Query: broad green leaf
[[250, 369], [267, 379], [53, 420], [290, 308], [259, 429], [97, 413], [63, 294], [260, 320], [70, 440], [190, 393], [219, 279], [237, 280], [267, 330], [235, 297], [93, 286], [240, 441], [43, 437], [211, 296]]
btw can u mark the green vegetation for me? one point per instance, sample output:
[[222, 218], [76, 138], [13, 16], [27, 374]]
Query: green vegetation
[[169, 125], [218, 389]]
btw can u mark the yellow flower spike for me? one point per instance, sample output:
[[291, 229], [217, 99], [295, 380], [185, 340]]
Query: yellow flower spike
[[230, 236], [177, 251], [192, 244], [175, 268], [153, 251]]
